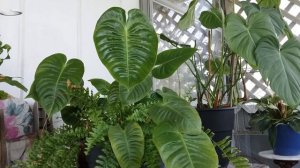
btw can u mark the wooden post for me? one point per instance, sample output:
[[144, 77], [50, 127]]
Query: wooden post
[[229, 6], [2, 140]]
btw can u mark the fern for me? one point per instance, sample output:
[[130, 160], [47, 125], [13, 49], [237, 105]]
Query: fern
[[107, 159], [231, 153], [140, 113], [97, 136], [151, 158], [58, 149]]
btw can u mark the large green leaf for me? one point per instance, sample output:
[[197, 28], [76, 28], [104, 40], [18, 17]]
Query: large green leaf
[[242, 36], [280, 65], [101, 85], [188, 19], [136, 93], [211, 19], [250, 8], [113, 96], [50, 86], [177, 111], [9, 80], [269, 3], [276, 19], [127, 145], [181, 150], [127, 48], [274, 14], [168, 61]]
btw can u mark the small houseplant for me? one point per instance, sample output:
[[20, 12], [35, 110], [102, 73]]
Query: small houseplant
[[274, 116], [134, 125]]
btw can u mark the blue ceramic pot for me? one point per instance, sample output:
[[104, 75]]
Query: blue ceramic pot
[[287, 141]]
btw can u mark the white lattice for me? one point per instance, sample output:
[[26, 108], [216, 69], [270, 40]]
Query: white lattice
[[165, 21]]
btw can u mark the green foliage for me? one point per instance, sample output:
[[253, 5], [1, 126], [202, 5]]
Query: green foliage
[[58, 149], [134, 44], [119, 113], [3, 95], [285, 81], [256, 40], [176, 110], [271, 112], [7, 79], [107, 159], [215, 65], [229, 152], [127, 144], [151, 158], [96, 136], [212, 19], [52, 79], [179, 149], [4, 48], [216, 82], [269, 3], [135, 93], [273, 13], [188, 19], [101, 85], [242, 36], [169, 61], [232, 154], [83, 109]]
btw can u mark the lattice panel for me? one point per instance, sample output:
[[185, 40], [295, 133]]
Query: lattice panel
[[165, 21], [290, 9]]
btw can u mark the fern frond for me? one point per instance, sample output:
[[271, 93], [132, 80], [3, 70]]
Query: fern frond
[[151, 157], [97, 136], [107, 159], [229, 152], [58, 149]]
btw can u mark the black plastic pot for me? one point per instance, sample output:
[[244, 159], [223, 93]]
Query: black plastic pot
[[221, 122]]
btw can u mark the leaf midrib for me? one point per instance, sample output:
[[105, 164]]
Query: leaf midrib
[[127, 143], [56, 84], [186, 149], [126, 53]]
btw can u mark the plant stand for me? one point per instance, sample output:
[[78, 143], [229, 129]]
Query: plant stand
[[281, 161]]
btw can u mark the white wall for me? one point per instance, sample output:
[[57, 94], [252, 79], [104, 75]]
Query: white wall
[[51, 26]]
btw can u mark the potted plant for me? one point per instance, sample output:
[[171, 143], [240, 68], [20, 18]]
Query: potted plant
[[134, 126], [216, 73], [254, 39], [278, 65], [282, 123]]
